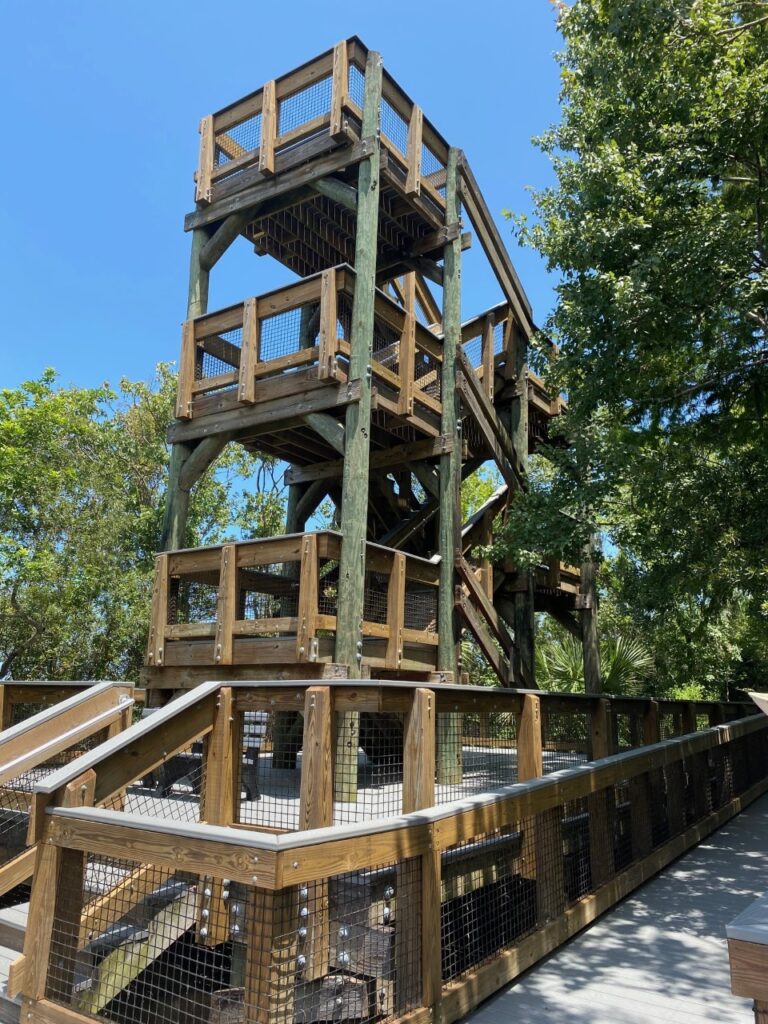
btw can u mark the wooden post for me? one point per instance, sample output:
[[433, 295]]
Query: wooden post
[[415, 128], [419, 752], [268, 129], [588, 620], [530, 763], [186, 378], [601, 805], [159, 612], [644, 789], [326, 362], [407, 352], [431, 930], [205, 163], [339, 88], [249, 352], [487, 355], [354, 502], [396, 610], [220, 805], [177, 497], [316, 811], [225, 608], [450, 727], [272, 941], [306, 643]]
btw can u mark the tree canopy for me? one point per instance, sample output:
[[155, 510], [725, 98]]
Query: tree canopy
[[656, 227], [82, 484]]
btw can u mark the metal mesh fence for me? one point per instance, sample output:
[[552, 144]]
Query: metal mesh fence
[[476, 753], [288, 332], [369, 766], [376, 587], [192, 600], [20, 711], [565, 739], [328, 586], [144, 944], [304, 106], [269, 591], [241, 138], [386, 346], [356, 85], [394, 126], [426, 374], [420, 606], [270, 769], [172, 791], [217, 354]]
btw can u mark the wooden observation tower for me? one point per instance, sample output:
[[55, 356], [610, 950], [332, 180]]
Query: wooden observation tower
[[362, 377]]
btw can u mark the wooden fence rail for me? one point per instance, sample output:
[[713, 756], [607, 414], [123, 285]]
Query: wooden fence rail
[[418, 916]]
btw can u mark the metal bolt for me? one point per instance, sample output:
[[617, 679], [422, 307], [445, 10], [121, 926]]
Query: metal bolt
[[304, 912], [343, 932], [203, 933], [304, 892], [302, 933], [235, 929], [225, 894], [344, 959], [205, 914], [339, 1000], [207, 893], [389, 892], [386, 915], [301, 961]]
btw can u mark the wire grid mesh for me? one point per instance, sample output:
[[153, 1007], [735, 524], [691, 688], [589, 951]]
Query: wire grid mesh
[[268, 591], [369, 772], [286, 333], [234, 142], [173, 790], [193, 599], [669, 724], [328, 586], [565, 739], [577, 866], [305, 105], [394, 126], [16, 796], [473, 349], [432, 165], [356, 85], [476, 753], [270, 768], [217, 354], [376, 589], [21, 710], [420, 606], [427, 374], [386, 345], [488, 898]]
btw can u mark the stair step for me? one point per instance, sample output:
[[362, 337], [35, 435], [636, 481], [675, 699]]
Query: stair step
[[10, 1009]]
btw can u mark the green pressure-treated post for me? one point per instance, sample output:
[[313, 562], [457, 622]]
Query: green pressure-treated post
[[354, 500], [449, 726], [177, 498]]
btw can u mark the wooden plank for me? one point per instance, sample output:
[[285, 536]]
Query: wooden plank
[[481, 406], [419, 751], [749, 968], [205, 162], [270, 975], [487, 361], [530, 763], [40, 922], [316, 811], [249, 357], [328, 325], [484, 604], [186, 378], [159, 612], [407, 353], [413, 157], [339, 85], [17, 871], [226, 606], [396, 610], [268, 415], [268, 129], [496, 658], [306, 645]]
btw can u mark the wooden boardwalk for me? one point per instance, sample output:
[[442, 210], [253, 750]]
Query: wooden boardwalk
[[660, 956]]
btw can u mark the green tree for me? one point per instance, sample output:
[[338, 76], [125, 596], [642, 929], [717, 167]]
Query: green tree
[[82, 482], [656, 226]]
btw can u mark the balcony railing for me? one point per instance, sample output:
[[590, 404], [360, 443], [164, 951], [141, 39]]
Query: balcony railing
[[274, 601], [301, 334], [314, 108], [190, 915]]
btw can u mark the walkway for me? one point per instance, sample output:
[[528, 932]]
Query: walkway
[[660, 956]]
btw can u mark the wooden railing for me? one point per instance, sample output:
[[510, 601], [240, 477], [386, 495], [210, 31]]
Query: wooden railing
[[301, 335], [420, 915], [274, 601], [307, 112], [36, 745]]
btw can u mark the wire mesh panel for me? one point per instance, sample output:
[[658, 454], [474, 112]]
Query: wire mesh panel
[[328, 586], [193, 599], [287, 333], [376, 587], [217, 355], [432, 167], [386, 345], [304, 106], [270, 769], [234, 142], [477, 752], [427, 375], [565, 739], [268, 591], [21, 710], [173, 790], [420, 606], [356, 85], [369, 781], [488, 898], [394, 126]]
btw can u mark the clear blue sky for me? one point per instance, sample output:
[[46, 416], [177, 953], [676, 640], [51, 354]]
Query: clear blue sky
[[99, 142]]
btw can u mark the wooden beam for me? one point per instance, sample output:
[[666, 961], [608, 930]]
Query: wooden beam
[[224, 236], [338, 191], [383, 459], [203, 456]]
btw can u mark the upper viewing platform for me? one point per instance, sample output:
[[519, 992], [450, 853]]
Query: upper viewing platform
[[301, 127]]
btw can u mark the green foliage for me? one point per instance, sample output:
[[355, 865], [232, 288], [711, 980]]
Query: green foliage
[[82, 482], [656, 226], [625, 665]]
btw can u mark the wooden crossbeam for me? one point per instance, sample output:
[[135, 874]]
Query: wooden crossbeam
[[379, 460]]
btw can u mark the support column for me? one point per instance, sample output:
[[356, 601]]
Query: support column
[[176, 497], [590, 640], [524, 663], [449, 766], [354, 502]]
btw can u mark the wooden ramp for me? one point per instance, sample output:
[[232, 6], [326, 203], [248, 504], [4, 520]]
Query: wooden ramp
[[660, 956]]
